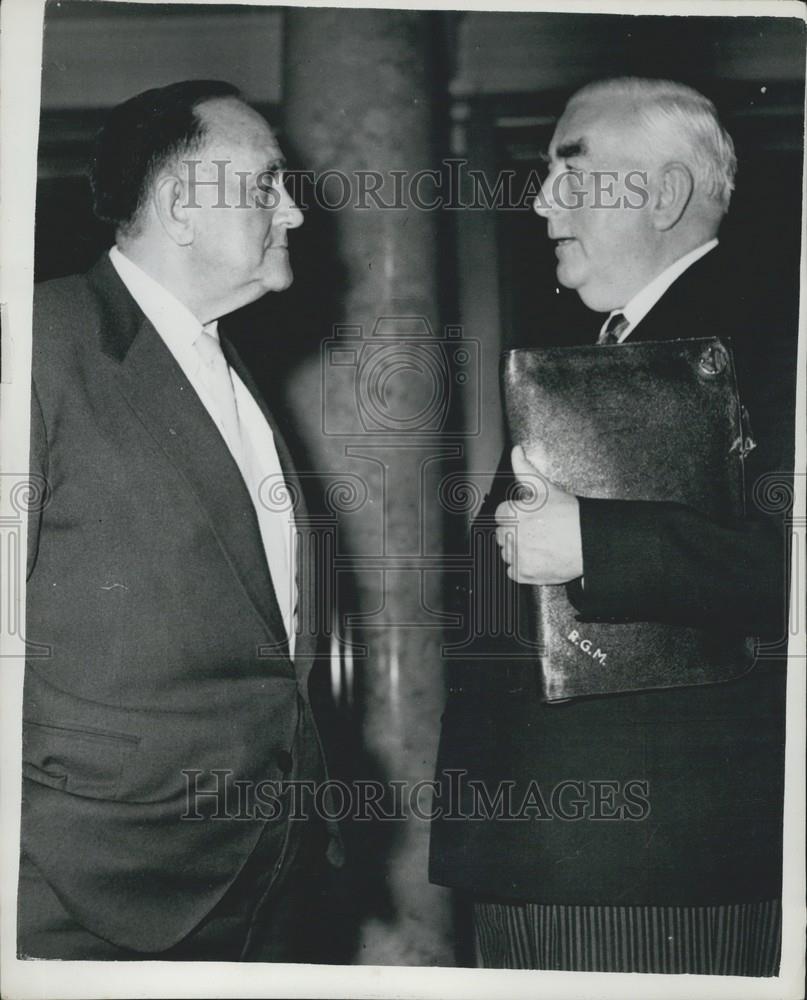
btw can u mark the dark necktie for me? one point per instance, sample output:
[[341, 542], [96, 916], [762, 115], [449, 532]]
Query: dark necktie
[[614, 329]]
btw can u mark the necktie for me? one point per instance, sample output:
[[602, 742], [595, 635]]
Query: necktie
[[613, 329], [217, 375]]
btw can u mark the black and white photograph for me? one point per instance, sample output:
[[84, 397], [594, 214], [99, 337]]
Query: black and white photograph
[[403, 499]]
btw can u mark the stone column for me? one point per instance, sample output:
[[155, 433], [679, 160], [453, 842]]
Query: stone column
[[358, 95]]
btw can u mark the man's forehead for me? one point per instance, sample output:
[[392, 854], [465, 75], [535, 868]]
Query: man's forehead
[[234, 127], [590, 128]]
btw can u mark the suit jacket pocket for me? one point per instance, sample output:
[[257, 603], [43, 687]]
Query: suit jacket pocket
[[85, 762]]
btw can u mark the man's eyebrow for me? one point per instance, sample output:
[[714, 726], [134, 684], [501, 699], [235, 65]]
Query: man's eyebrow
[[568, 150], [275, 165]]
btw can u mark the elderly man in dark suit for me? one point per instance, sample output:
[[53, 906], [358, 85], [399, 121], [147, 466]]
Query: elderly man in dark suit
[[683, 875], [174, 700]]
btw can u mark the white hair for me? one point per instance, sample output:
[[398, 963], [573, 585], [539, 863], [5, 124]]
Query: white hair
[[678, 122]]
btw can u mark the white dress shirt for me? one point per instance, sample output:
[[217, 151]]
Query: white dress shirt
[[643, 301], [255, 454]]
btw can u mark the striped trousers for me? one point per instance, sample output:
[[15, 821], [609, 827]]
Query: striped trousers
[[742, 939]]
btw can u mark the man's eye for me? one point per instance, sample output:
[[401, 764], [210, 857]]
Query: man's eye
[[575, 174], [271, 178]]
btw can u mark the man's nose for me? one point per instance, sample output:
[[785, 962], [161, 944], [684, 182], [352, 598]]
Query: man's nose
[[288, 214], [544, 204]]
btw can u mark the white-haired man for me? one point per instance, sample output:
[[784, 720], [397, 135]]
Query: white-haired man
[[652, 838]]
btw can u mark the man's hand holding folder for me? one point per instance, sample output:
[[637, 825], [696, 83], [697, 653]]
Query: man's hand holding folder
[[539, 537]]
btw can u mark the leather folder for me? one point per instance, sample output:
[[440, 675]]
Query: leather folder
[[643, 421]]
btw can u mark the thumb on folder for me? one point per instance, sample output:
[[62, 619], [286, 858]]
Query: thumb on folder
[[539, 535]]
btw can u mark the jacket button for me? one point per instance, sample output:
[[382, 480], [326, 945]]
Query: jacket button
[[284, 761]]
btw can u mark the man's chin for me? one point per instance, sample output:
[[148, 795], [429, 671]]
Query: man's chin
[[282, 283], [258, 288], [278, 281], [565, 278]]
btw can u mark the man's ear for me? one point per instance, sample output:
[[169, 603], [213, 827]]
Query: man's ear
[[171, 205], [674, 191]]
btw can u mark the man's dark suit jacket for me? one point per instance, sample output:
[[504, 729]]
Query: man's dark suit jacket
[[712, 756], [149, 584]]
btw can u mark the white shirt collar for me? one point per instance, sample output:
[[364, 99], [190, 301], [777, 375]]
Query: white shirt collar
[[171, 318], [644, 300]]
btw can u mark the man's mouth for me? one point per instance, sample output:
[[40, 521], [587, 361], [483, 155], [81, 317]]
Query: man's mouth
[[562, 242]]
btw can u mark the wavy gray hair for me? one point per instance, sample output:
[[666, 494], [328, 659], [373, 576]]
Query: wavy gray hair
[[679, 122]]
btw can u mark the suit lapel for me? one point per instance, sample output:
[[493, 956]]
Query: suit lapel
[[166, 404]]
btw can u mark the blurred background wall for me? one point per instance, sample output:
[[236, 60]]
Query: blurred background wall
[[403, 90]]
